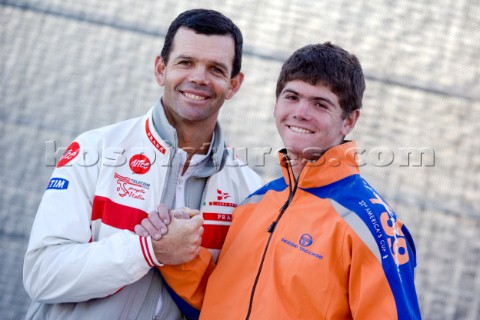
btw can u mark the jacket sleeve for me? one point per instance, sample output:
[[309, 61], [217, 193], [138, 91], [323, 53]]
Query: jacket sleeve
[[62, 264], [189, 280], [381, 286]]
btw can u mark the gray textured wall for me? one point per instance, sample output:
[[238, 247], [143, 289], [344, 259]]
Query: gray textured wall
[[69, 66]]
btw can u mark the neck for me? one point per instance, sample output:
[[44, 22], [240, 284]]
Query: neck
[[194, 140], [296, 164], [193, 136], [297, 169], [299, 161]]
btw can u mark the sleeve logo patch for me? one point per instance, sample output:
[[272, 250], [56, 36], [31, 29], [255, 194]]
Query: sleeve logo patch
[[57, 184], [72, 151]]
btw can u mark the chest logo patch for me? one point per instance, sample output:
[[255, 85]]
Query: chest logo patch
[[140, 164], [305, 241], [132, 188], [222, 195]]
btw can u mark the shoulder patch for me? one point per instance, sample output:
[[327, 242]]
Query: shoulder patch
[[71, 153], [58, 184]]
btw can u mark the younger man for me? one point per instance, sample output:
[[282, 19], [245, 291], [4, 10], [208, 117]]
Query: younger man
[[319, 242]]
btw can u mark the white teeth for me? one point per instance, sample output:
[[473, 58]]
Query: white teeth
[[193, 96], [300, 130]]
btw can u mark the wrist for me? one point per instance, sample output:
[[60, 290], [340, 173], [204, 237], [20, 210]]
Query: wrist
[[148, 252]]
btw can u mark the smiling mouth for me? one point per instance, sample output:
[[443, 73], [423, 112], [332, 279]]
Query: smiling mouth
[[300, 130], [194, 96]]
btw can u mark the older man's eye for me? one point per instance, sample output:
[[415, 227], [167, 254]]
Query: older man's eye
[[184, 62], [218, 71]]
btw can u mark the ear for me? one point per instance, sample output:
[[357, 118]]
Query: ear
[[160, 71], [234, 85], [350, 121]]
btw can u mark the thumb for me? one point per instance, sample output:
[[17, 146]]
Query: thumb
[[196, 221], [192, 212]]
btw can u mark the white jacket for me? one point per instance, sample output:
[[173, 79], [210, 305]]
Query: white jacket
[[82, 244]]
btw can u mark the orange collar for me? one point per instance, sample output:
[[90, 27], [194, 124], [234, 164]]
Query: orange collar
[[335, 164]]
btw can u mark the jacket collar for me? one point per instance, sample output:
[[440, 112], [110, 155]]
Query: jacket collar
[[168, 134], [335, 164]]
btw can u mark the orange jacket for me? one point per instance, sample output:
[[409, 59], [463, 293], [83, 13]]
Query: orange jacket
[[328, 248]]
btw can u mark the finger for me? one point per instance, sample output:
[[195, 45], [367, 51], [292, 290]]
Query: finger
[[152, 231], [198, 241], [164, 213], [157, 223], [179, 214], [196, 252], [141, 231], [185, 213]]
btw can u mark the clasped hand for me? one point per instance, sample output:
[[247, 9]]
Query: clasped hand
[[176, 234]]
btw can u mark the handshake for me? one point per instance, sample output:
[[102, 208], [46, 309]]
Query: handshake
[[176, 234]]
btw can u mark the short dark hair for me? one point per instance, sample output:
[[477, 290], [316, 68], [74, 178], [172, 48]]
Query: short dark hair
[[208, 22], [329, 65]]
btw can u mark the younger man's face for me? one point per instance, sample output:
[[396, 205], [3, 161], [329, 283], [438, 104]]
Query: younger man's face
[[310, 120]]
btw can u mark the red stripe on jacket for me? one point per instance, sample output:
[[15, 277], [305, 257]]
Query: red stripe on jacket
[[115, 214]]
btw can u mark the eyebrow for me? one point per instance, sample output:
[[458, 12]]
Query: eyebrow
[[323, 99]]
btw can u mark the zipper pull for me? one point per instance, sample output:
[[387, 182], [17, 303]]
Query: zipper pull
[[271, 228], [180, 182]]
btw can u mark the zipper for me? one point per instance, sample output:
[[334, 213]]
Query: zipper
[[164, 189], [270, 230]]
